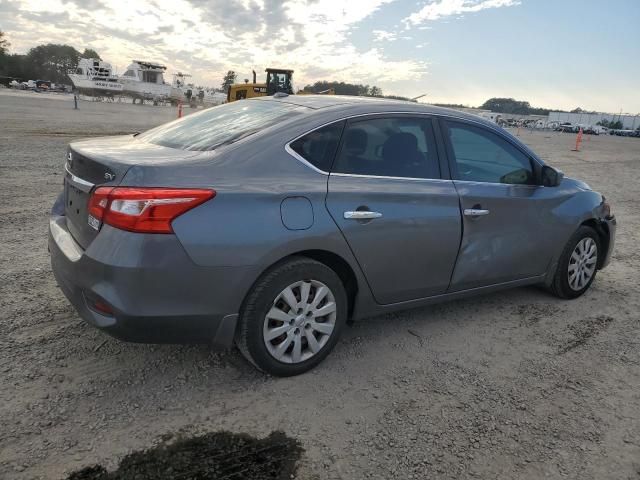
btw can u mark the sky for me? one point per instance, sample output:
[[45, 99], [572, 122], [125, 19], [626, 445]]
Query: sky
[[552, 53]]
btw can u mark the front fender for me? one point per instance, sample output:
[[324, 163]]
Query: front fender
[[584, 207]]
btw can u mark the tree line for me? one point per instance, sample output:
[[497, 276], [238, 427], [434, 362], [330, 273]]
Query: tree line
[[342, 88], [44, 62]]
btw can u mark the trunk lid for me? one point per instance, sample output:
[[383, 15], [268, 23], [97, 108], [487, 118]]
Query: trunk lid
[[104, 162]]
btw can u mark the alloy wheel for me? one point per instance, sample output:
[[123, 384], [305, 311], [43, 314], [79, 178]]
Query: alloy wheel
[[582, 264], [300, 321]]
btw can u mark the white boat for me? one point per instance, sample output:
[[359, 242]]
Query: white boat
[[95, 77], [189, 93], [145, 80], [213, 97], [180, 87]]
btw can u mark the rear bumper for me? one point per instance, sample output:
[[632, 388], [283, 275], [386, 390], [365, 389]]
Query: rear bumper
[[157, 294]]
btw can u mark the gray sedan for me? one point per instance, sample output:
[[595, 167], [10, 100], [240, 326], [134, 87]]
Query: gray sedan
[[272, 222]]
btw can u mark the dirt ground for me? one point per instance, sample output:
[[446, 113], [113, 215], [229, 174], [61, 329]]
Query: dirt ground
[[515, 384]]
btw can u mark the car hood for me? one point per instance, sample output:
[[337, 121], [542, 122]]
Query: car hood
[[576, 183]]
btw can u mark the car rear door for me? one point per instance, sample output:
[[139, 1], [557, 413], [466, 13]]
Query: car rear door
[[507, 220], [398, 215]]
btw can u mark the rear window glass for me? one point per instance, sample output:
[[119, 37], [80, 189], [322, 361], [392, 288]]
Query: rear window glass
[[220, 125], [319, 147]]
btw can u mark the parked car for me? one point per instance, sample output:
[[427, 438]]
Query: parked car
[[271, 222], [625, 133], [567, 128]]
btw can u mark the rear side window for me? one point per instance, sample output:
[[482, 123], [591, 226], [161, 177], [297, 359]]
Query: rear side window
[[483, 156], [221, 125], [391, 147], [319, 147]]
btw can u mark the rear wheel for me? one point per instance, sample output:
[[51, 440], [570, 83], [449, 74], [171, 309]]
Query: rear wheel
[[293, 317], [578, 264]]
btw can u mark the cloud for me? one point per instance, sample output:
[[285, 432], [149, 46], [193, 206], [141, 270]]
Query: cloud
[[445, 8], [88, 4], [382, 35], [207, 38]]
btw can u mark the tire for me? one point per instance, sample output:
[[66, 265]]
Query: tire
[[564, 285], [267, 311]]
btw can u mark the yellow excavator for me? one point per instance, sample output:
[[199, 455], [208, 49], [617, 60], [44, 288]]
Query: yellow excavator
[[278, 80]]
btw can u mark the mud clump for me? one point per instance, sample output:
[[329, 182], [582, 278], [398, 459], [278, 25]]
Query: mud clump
[[218, 455]]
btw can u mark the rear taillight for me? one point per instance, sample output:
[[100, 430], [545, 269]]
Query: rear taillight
[[143, 210]]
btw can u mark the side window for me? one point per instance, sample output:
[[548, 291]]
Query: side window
[[482, 156], [391, 147], [319, 147]]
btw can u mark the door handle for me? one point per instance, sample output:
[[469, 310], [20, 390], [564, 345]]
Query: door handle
[[362, 215], [475, 212]]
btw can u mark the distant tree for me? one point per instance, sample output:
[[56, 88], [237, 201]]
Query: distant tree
[[398, 97], [506, 105], [228, 80], [510, 105], [51, 62], [90, 53], [341, 88], [375, 91], [581, 110], [450, 105], [4, 43], [617, 125]]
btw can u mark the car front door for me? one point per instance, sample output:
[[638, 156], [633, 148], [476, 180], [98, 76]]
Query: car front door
[[399, 217], [505, 213]]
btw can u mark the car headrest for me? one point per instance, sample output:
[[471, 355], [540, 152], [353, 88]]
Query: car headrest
[[400, 144], [355, 142]]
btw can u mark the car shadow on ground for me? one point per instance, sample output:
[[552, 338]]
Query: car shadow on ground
[[229, 370]]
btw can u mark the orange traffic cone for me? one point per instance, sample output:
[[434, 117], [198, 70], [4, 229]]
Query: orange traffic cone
[[578, 141]]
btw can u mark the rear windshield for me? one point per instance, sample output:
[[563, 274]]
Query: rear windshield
[[220, 125]]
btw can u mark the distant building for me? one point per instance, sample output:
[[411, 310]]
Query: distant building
[[629, 122]]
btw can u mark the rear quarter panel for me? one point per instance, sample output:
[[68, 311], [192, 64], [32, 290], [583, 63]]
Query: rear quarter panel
[[243, 226]]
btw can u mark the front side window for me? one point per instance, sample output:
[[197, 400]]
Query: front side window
[[222, 125], [319, 147], [482, 156], [391, 147]]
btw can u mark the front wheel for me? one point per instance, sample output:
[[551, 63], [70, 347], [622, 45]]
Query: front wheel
[[578, 264], [293, 317]]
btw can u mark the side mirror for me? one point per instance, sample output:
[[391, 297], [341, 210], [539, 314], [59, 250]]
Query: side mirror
[[551, 177]]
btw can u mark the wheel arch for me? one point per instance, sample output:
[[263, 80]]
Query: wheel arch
[[335, 262], [602, 230]]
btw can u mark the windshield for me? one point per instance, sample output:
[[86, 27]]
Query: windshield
[[220, 125]]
